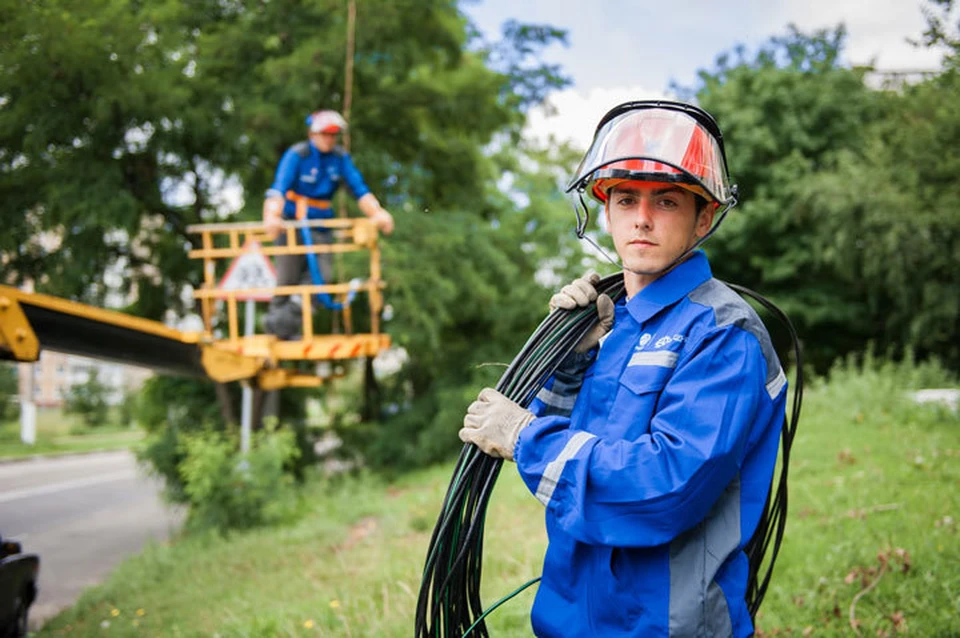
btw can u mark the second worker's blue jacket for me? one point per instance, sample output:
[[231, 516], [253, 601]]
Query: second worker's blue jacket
[[308, 172], [655, 472]]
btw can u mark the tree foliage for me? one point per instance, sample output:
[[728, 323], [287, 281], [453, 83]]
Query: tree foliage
[[847, 218], [122, 122], [889, 221], [943, 26]]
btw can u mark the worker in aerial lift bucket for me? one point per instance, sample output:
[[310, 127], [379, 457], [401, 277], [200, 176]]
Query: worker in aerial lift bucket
[[654, 446], [311, 172]]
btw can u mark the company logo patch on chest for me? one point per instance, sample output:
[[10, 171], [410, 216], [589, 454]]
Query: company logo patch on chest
[[310, 177], [661, 343], [660, 354]]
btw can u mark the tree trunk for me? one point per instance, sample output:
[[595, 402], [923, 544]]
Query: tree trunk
[[265, 404], [227, 410], [371, 393]]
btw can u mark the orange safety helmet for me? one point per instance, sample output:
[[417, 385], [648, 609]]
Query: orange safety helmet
[[656, 141], [326, 122]]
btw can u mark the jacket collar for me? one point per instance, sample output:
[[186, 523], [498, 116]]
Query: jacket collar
[[671, 287], [316, 152]]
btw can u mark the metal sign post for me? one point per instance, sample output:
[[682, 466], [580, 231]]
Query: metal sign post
[[252, 269], [246, 400], [28, 408]]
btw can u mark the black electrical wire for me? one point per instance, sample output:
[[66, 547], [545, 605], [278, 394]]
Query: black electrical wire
[[773, 522], [449, 600]]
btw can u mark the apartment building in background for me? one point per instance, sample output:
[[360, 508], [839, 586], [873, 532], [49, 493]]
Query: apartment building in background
[[55, 373]]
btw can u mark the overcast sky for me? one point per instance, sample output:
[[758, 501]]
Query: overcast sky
[[621, 49]]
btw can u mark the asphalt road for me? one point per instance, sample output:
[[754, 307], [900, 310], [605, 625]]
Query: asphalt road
[[82, 514]]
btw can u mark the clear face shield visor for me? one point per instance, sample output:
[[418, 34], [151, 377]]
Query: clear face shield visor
[[652, 144]]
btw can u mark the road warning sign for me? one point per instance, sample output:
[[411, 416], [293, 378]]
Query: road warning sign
[[252, 269]]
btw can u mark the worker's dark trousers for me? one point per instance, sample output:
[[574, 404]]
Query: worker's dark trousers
[[284, 317]]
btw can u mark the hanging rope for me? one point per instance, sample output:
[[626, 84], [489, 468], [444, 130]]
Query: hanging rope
[[348, 69], [341, 197]]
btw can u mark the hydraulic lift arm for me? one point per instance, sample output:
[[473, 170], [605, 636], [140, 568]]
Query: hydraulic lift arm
[[28, 320]]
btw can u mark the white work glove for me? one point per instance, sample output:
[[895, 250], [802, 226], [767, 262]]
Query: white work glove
[[579, 293], [383, 220], [370, 206], [493, 423], [273, 216]]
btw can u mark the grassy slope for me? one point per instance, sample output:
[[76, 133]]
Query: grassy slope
[[871, 474]]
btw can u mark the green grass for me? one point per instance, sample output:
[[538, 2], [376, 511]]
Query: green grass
[[871, 474], [351, 568], [59, 433]]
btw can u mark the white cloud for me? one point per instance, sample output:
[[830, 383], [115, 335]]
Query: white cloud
[[573, 114], [630, 43], [876, 32]]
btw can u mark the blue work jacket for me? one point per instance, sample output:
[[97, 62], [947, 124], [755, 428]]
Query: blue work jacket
[[655, 472], [306, 171]]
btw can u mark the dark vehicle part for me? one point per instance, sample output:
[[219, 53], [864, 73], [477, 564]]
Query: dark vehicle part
[[18, 588]]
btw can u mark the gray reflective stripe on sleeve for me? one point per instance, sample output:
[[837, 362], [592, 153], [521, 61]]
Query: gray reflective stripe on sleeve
[[774, 386], [551, 475], [662, 358], [558, 401], [730, 309], [698, 606]]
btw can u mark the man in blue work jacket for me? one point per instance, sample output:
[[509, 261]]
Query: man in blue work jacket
[[654, 446], [311, 172]]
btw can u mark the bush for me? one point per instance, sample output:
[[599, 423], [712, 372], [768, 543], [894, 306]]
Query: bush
[[162, 455], [228, 490], [867, 387], [126, 413], [412, 433], [170, 408], [9, 408], [88, 400]]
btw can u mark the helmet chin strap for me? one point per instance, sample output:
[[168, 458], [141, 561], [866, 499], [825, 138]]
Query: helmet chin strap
[[584, 220]]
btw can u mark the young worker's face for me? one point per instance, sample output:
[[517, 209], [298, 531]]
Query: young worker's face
[[324, 141], [652, 224]]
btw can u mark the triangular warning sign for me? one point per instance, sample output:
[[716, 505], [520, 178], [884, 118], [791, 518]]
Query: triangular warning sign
[[252, 269]]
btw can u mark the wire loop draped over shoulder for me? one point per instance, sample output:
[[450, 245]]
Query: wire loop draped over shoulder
[[773, 522]]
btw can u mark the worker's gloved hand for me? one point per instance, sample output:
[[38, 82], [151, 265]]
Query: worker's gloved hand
[[493, 423], [383, 220], [579, 293], [602, 327], [273, 216]]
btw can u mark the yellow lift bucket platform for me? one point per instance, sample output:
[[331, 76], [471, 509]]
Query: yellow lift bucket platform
[[220, 243], [31, 321]]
